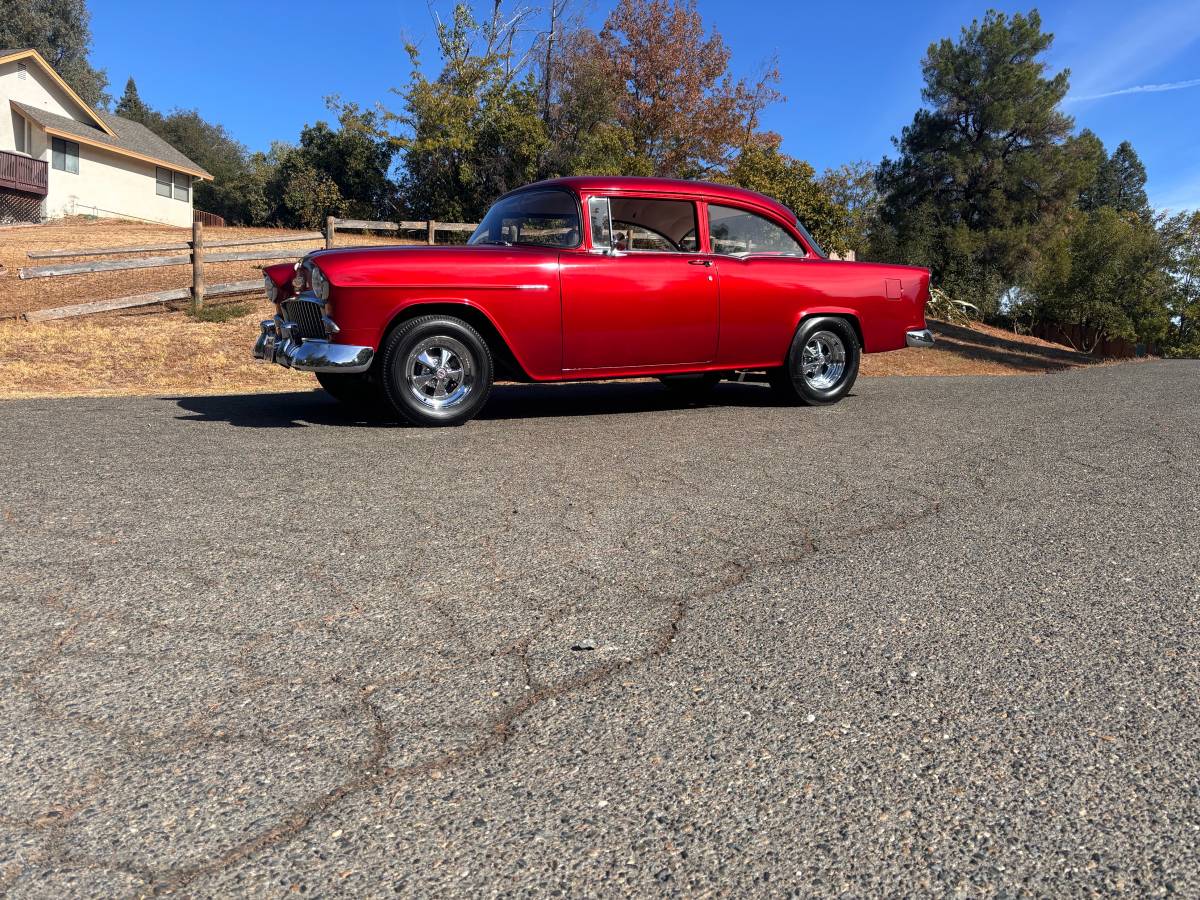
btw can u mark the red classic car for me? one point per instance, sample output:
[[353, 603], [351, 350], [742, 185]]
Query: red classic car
[[584, 278]]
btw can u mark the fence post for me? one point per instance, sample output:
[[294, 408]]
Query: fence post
[[431, 234], [197, 267], [330, 228]]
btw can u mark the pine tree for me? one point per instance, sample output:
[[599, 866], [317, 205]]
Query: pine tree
[[988, 166], [131, 106]]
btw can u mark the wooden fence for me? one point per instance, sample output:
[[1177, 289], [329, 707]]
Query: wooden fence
[[212, 220], [430, 228], [198, 254]]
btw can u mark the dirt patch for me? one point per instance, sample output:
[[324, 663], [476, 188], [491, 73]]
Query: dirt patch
[[977, 350]]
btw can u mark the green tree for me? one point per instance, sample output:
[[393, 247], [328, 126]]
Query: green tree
[[356, 157], [60, 30], [131, 106], [235, 190], [764, 168], [300, 195], [1120, 182], [473, 132], [852, 188], [1182, 236], [1106, 271], [987, 168]]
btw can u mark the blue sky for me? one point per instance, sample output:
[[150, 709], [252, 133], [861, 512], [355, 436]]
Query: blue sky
[[851, 72]]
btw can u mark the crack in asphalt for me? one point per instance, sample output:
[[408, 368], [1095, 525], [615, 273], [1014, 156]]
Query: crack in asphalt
[[371, 772]]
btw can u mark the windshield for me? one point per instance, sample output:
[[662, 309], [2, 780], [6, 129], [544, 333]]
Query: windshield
[[812, 241], [534, 218]]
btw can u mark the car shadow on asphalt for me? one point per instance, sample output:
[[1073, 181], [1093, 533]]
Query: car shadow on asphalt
[[300, 409]]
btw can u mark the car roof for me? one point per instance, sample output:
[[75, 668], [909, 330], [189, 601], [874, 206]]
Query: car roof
[[610, 184]]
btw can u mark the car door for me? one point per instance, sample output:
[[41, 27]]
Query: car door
[[643, 295], [764, 278]]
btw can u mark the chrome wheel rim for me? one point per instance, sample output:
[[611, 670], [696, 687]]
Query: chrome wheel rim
[[823, 360], [440, 373]]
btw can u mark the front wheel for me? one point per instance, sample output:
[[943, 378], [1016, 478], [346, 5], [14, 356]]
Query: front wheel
[[821, 365], [436, 370]]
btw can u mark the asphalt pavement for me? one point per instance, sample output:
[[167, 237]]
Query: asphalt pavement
[[938, 639]]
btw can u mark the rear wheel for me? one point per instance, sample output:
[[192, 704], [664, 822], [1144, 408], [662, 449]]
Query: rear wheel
[[436, 370], [821, 365]]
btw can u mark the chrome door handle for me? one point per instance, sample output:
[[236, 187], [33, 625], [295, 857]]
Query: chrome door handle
[[700, 262]]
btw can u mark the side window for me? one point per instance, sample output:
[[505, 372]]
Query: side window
[[162, 181], [640, 224], [736, 232], [183, 187], [601, 219], [65, 155]]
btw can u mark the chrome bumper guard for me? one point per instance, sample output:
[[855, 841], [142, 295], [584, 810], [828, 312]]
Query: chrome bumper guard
[[279, 342], [922, 338]]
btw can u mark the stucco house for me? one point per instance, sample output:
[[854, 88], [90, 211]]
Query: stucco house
[[59, 157]]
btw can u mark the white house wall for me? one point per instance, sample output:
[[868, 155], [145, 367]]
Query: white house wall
[[35, 89], [109, 185]]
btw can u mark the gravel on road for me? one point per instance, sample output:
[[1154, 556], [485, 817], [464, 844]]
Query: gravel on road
[[939, 638]]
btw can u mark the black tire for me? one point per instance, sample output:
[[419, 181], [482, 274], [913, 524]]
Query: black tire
[[841, 348], [359, 390], [691, 387], [449, 345]]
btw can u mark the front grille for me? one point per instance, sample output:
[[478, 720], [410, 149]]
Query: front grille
[[307, 315]]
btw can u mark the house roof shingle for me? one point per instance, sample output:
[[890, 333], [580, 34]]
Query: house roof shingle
[[132, 137]]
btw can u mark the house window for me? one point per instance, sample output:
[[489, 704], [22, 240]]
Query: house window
[[162, 181], [183, 187], [22, 71], [65, 155]]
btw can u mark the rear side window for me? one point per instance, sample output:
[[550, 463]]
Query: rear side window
[[736, 232]]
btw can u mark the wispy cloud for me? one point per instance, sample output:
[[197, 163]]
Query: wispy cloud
[[1139, 89], [1158, 33]]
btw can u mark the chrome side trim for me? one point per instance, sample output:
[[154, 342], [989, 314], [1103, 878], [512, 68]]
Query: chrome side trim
[[920, 338]]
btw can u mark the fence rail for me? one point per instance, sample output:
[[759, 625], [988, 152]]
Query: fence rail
[[199, 253], [431, 228], [212, 220]]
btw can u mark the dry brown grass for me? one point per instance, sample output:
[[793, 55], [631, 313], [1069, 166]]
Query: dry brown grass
[[171, 353], [17, 296]]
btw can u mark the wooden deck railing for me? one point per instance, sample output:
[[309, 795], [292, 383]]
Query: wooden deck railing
[[22, 173]]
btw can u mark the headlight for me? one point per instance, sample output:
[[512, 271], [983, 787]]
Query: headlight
[[272, 288], [320, 284]]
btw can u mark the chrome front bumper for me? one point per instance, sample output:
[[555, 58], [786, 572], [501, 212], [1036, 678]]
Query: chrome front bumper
[[279, 343], [921, 338]]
